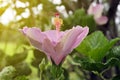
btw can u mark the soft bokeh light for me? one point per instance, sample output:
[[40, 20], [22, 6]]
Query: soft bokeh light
[[62, 10], [19, 4], [56, 1], [117, 19], [37, 9], [8, 15], [26, 14], [19, 60]]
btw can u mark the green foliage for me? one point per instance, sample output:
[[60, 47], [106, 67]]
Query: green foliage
[[17, 58], [22, 69], [87, 64], [39, 56], [19, 10], [7, 73], [21, 78], [17, 61], [51, 71], [95, 46], [42, 65], [57, 72], [114, 52], [79, 18]]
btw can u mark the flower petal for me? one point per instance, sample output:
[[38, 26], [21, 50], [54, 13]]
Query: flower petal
[[53, 37], [36, 44], [48, 47], [102, 20], [24, 30], [81, 36], [70, 37], [95, 10], [35, 36], [59, 58], [55, 53]]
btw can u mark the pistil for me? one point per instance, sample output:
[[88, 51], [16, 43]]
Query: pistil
[[57, 22]]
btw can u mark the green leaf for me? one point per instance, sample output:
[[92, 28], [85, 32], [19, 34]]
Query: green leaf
[[7, 73], [21, 78], [95, 46], [87, 64], [99, 53], [42, 65], [39, 56], [57, 72], [22, 69], [114, 52], [89, 21], [17, 58], [66, 74], [79, 12]]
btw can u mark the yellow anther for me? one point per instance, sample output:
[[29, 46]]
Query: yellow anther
[[58, 22]]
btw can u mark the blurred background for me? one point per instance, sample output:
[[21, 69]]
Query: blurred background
[[15, 49]]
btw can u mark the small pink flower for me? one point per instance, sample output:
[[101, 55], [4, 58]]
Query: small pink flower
[[56, 44], [97, 10]]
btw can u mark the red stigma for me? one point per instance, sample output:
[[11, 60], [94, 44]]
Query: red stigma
[[57, 14]]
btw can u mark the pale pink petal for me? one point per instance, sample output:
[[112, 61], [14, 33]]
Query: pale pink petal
[[48, 47], [90, 10], [53, 36], [59, 58], [59, 55], [98, 10], [95, 10], [24, 30], [58, 48], [102, 20], [70, 37], [35, 34], [81, 37], [36, 44]]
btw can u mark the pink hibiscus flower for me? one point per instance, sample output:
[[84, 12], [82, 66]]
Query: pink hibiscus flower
[[97, 10], [54, 43]]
